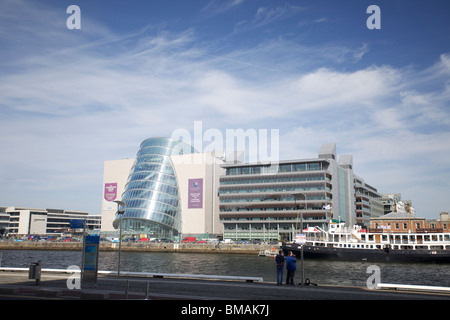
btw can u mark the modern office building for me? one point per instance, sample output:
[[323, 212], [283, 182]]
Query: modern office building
[[15, 221], [169, 190], [368, 202], [266, 202], [392, 202]]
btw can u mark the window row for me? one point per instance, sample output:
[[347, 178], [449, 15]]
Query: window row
[[152, 185], [230, 208], [154, 158], [166, 142], [150, 166], [291, 167], [152, 195], [153, 176], [167, 218], [156, 150], [272, 189], [270, 199], [150, 206], [155, 229], [275, 179]]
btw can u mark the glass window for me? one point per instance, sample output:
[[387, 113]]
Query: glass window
[[314, 166], [245, 170], [256, 170], [285, 168], [299, 167]]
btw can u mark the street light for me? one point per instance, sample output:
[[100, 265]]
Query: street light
[[123, 204], [300, 196]]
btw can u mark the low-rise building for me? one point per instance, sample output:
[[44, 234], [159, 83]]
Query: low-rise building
[[409, 223], [19, 221]]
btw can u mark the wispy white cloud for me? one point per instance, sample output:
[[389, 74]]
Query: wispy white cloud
[[214, 7], [267, 15], [86, 98]]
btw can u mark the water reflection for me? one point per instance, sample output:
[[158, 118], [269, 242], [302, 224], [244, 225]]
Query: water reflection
[[318, 271]]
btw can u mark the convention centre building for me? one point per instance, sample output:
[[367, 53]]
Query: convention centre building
[[168, 191], [171, 191]]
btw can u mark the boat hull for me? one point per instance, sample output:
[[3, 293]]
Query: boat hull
[[375, 255]]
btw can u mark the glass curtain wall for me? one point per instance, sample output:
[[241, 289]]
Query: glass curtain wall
[[151, 194]]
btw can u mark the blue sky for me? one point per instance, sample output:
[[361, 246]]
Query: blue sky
[[71, 99]]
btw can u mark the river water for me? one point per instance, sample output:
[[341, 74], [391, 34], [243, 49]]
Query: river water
[[321, 272]]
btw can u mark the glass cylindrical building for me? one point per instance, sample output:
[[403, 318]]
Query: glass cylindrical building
[[151, 194]]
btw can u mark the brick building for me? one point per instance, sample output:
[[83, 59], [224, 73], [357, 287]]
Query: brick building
[[404, 222]]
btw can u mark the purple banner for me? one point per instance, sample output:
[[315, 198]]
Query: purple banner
[[110, 191], [195, 197]]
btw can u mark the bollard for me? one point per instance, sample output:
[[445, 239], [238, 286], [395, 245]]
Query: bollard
[[35, 272]]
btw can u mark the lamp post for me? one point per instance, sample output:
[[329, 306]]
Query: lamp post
[[301, 196], [123, 204]]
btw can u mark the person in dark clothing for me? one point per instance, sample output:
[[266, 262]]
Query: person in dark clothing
[[291, 266], [279, 259]]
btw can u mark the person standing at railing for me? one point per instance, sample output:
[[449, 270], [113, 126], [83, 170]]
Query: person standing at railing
[[291, 266], [279, 260]]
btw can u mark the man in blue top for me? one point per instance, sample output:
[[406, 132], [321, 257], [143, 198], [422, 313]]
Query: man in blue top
[[291, 266]]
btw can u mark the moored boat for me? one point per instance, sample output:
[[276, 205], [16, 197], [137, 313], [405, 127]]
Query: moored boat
[[357, 244]]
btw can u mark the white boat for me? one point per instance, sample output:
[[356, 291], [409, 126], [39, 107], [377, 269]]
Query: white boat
[[355, 243], [268, 253]]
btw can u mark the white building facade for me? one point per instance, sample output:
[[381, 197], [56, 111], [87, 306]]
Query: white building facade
[[170, 191]]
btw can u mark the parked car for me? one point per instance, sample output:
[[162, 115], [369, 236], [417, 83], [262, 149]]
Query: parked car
[[189, 240]]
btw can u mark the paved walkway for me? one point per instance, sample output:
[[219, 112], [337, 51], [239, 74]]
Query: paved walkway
[[16, 285]]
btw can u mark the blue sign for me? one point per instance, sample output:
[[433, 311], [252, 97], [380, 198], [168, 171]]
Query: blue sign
[[76, 223], [90, 258], [92, 240]]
